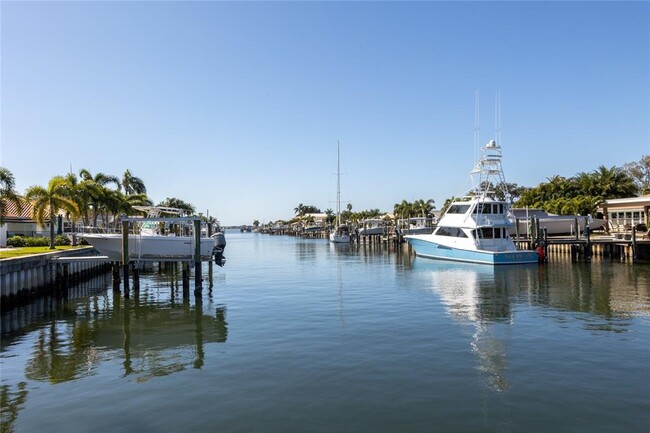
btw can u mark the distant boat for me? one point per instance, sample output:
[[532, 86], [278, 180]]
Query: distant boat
[[477, 228], [554, 224], [341, 232], [153, 242], [373, 226], [415, 226]]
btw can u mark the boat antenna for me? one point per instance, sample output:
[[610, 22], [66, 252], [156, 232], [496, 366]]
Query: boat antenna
[[477, 120], [497, 117]]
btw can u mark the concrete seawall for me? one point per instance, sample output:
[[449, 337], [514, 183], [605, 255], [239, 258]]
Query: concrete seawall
[[37, 274]]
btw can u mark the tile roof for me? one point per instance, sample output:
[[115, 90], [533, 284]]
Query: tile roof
[[12, 211]]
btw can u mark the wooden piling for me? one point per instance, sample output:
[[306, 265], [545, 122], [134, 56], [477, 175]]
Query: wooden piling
[[125, 256], [186, 279], [136, 279], [198, 278], [116, 276], [588, 252]]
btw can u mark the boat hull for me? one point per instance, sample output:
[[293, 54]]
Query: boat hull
[[558, 225], [371, 231], [415, 231], [339, 239], [149, 247], [433, 250]]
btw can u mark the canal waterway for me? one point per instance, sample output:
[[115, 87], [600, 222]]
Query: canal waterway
[[299, 335]]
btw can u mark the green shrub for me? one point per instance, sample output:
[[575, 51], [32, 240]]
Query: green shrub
[[61, 240], [37, 242], [16, 241]]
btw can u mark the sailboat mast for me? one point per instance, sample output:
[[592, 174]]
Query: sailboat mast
[[338, 184]]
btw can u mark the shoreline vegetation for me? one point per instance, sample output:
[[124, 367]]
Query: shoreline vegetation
[[13, 252], [98, 200]]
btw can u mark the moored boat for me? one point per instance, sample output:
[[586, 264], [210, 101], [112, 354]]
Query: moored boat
[[341, 232], [373, 226], [153, 240], [415, 226], [554, 224], [476, 228]]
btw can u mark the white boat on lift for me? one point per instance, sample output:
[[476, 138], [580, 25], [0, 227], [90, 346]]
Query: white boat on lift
[[554, 224], [159, 240], [341, 232], [476, 229], [373, 226], [415, 225]]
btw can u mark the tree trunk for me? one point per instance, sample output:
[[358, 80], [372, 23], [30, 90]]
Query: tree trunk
[[52, 228]]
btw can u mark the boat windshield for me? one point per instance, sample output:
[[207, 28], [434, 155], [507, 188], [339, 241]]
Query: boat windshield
[[491, 208], [458, 208]]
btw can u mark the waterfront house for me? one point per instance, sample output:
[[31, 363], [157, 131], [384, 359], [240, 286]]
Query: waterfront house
[[19, 222], [625, 213]]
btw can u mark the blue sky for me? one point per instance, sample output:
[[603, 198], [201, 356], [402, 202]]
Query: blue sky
[[237, 107]]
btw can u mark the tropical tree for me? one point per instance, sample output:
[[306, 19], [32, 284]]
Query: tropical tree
[[614, 182], [132, 184], [640, 173], [330, 216], [100, 178], [7, 192], [404, 209], [100, 195], [424, 208], [49, 200], [81, 193]]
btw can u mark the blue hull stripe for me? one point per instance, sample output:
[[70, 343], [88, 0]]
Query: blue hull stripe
[[434, 251]]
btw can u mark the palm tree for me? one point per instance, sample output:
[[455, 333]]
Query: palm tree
[[80, 193], [100, 178], [100, 193], [614, 183], [424, 207], [7, 192], [402, 209], [128, 201], [330, 216], [49, 200], [132, 184]]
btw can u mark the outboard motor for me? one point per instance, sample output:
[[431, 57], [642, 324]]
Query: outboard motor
[[219, 240], [219, 258], [219, 246]]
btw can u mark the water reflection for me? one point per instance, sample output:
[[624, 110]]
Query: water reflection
[[602, 296], [152, 336], [471, 295]]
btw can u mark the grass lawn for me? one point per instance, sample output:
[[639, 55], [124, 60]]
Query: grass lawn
[[24, 251]]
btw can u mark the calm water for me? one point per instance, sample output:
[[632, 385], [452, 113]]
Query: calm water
[[303, 336]]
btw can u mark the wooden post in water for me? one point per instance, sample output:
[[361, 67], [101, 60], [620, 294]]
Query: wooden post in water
[[186, 279], [125, 256], [136, 278], [545, 234], [116, 276], [633, 243], [198, 278], [588, 246]]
